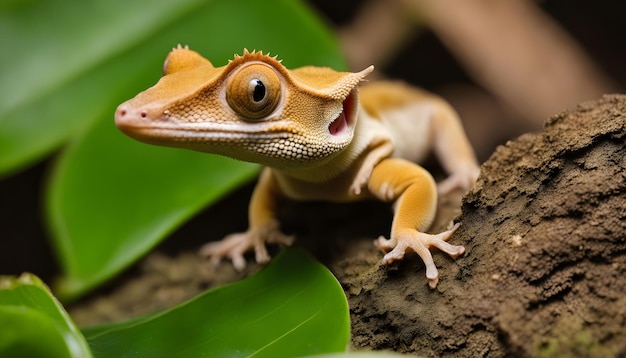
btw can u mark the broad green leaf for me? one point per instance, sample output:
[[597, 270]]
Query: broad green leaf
[[107, 215], [50, 44], [59, 77], [112, 199], [33, 322], [293, 307]]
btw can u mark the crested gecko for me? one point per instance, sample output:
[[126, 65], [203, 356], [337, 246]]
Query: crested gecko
[[319, 137]]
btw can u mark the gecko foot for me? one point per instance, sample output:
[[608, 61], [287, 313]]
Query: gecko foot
[[420, 243], [234, 246], [463, 178]]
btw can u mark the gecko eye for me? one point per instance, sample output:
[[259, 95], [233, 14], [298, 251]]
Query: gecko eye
[[254, 91]]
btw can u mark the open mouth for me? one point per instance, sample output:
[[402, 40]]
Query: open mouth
[[341, 123]]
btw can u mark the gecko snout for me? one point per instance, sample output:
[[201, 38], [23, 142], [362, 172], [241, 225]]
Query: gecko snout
[[127, 115]]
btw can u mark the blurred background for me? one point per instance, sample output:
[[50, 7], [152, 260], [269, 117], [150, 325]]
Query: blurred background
[[506, 66]]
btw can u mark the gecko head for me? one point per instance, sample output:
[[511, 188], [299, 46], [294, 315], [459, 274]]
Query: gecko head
[[252, 109]]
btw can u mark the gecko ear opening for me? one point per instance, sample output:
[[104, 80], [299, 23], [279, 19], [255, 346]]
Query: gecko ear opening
[[345, 119]]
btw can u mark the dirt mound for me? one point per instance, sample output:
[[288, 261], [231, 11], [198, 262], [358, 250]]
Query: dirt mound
[[544, 272]]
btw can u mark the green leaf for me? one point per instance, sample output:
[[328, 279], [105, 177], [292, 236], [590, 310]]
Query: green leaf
[[70, 61], [33, 322], [293, 307], [105, 216], [49, 46], [111, 199]]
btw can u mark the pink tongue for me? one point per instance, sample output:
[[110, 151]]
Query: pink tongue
[[338, 125]]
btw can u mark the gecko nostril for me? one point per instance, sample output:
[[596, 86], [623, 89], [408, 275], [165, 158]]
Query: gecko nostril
[[144, 114], [122, 112]]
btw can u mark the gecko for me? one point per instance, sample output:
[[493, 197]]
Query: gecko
[[320, 135]]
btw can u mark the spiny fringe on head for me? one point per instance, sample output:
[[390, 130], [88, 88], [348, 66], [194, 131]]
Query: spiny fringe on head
[[180, 47], [254, 55]]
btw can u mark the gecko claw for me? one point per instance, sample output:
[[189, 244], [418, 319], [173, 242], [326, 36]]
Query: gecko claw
[[234, 246], [420, 243]]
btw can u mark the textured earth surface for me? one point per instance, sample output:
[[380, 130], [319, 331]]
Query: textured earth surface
[[543, 275], [545, 232]]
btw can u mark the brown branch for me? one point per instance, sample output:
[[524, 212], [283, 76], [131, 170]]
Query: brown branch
[[516, 52], [511, 48]]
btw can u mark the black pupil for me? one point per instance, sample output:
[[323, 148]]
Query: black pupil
[[259, 91]]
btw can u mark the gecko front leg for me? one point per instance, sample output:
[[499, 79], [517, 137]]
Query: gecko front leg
[[415, 194], [263, 228]]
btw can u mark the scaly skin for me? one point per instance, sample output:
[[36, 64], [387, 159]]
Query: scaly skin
[[317, 140]]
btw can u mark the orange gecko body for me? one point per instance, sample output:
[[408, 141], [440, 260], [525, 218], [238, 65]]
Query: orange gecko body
[[320, 138]]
